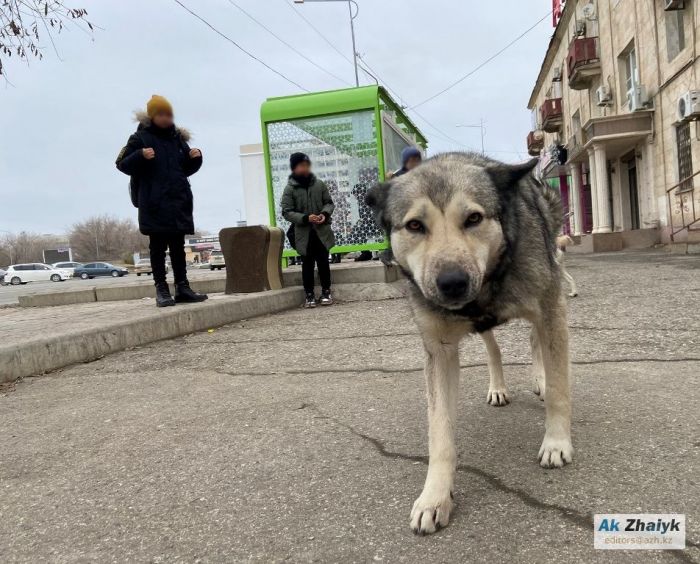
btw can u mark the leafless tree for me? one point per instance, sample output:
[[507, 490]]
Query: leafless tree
[[26, 247], [106, 238], [24, 23]]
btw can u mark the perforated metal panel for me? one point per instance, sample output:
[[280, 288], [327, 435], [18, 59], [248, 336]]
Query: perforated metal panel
[[343, 152]]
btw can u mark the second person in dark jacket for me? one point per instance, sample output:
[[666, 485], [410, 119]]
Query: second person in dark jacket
[[308, 206], [159, 161]]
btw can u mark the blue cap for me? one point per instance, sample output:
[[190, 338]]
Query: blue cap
[[408, 153]]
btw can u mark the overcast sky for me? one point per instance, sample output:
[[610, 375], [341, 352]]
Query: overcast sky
[[62, 123]]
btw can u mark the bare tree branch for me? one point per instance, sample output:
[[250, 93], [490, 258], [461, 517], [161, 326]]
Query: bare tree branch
[[19, 27]]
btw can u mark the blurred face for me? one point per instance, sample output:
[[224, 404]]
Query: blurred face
[[413, 162], [163, 119], [302, 169]]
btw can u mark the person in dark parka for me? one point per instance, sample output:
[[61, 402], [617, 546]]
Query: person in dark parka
[[159, 161], [308, 206]]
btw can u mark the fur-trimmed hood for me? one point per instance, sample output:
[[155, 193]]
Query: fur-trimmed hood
[[141, 117]]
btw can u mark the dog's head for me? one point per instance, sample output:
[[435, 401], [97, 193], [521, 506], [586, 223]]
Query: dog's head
[[445, 222]]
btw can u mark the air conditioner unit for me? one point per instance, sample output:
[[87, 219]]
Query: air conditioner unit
[[688, 106], [637, 99], [670, 5], [580, 29], [603, 96]]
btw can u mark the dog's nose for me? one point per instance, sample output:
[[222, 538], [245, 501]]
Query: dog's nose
[[453, 283]]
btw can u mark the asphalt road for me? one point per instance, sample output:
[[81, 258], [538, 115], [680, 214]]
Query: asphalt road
[[301, 437], [9, 294]]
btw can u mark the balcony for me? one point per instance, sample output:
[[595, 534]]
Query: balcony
[[583, 62], [535, 142], [575, 145], [551, 115]]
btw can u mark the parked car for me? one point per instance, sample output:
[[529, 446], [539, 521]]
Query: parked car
[[143, 266], [93, 269], [67, 265], [35, 272], [216, 260]]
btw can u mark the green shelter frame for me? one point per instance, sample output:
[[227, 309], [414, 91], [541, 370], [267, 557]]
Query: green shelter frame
[[354, 137]]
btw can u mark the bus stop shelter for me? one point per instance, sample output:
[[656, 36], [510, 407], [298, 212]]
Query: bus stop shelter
[[354, 137]]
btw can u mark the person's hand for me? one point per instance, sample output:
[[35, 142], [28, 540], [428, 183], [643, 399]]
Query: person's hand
[[148, 153], [320, 218], [194, 153]]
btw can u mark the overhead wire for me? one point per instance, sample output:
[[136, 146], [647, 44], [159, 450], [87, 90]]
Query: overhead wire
[[287, 44], [318, 32], [239, 47], [483, 63]]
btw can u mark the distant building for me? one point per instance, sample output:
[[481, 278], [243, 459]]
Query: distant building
[[615, 109]]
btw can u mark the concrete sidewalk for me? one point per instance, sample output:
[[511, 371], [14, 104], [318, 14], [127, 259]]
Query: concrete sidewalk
[[79, 326], [301, 437]]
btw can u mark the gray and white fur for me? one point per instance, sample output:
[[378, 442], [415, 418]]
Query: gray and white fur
[[476, 238]]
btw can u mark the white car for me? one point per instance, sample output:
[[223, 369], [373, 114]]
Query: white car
[[35, 272], [70, 266], [216, 260]]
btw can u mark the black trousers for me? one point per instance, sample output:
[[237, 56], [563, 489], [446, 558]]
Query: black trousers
[[316, 254], [159, 243]]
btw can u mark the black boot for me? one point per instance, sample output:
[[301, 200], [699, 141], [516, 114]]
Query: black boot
[[163, 297], [184, 294]]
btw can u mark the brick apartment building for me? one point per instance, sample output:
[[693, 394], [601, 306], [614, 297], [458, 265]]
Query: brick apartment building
[[615, 109]]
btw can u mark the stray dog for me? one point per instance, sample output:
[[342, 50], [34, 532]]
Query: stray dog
[[476, 239], [564, 241]]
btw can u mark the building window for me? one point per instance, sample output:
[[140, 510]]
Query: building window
[[675, 33], [685, 157], [629, 73]]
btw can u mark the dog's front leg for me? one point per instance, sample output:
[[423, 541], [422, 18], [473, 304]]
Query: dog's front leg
[[432, 509], [553, 337]]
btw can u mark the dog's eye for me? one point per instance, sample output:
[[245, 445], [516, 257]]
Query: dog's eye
[[415, 226], [473, 219]]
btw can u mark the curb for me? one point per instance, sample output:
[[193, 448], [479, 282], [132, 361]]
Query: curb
[[46, 354], [375, 273]]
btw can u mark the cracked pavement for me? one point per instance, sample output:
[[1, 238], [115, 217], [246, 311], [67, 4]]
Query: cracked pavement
[[301, 437]]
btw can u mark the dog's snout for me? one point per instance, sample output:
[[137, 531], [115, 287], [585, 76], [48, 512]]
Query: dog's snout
[[453, 283]]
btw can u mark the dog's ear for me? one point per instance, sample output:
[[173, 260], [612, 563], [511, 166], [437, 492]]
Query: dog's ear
[[376, 198], [506, 177]]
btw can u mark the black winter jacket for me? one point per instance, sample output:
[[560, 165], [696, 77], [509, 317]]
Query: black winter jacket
[[165, 199]]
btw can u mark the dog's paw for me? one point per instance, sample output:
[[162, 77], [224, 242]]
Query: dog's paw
[[573, 294], [538, 386], [430, 513], [555, 452], [498, 397]]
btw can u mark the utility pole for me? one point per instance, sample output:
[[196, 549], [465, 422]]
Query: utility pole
[[482, 129]]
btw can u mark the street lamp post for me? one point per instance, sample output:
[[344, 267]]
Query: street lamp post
[[480, 126], [352, 29]]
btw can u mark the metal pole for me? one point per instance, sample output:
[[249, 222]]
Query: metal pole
[[354, 49], [481, 127]]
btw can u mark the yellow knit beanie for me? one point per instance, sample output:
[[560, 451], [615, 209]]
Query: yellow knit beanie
[[158, 104]]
